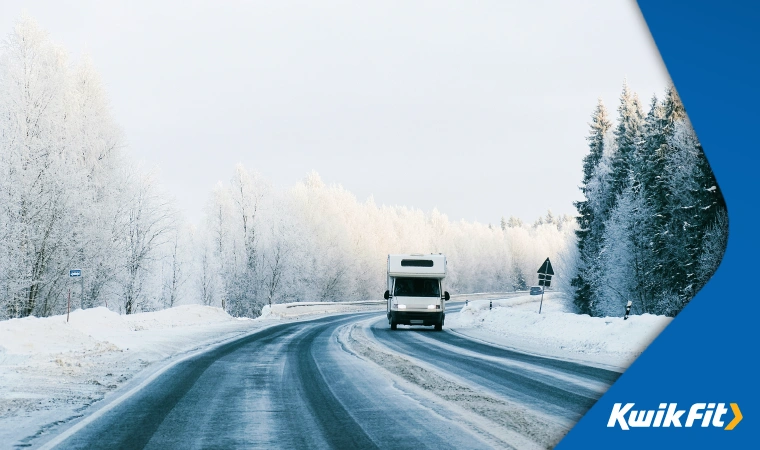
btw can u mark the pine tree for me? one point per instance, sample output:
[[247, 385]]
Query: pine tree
[[628, 136], [514, 222], [673, 109], [588, 234], [550, 217], [659, 135], [518, 283], [624, 257], [653, 226], [695, 203], [650, 161]]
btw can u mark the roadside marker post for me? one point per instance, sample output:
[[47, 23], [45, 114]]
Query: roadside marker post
[[627, 309], [545, 273]]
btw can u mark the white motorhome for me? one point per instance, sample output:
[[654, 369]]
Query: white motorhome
[[415, 292]]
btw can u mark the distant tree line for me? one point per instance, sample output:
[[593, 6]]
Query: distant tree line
[[317, 242], [70, 197], [653, 226]]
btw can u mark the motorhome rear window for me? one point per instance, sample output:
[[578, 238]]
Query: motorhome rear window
[[416, 263]]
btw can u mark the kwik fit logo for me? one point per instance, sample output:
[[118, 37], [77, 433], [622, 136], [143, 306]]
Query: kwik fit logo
[[668, 415]]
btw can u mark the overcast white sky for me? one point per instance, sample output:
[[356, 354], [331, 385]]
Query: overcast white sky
[[477, 108]]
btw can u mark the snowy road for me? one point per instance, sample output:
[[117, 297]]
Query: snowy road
[[562, 389], [300, 385]]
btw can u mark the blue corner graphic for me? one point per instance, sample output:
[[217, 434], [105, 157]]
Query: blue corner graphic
[[709, 352]]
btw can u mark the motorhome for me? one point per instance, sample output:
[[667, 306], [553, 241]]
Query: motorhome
[[416, 294]]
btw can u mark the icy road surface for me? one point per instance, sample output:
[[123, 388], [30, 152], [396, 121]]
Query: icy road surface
[[561, 389], [347, 381]]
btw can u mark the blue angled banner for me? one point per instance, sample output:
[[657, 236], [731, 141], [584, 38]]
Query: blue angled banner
[[705, 360]]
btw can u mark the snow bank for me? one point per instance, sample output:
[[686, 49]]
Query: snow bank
[[51, 371], [558, 331], [92, 329]]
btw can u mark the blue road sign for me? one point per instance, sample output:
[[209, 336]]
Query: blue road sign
[[75, 273]]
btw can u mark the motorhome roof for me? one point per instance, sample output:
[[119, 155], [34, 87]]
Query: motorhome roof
[[415, 264]]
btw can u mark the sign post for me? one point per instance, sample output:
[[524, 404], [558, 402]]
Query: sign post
[[75, 273], [545, 273]]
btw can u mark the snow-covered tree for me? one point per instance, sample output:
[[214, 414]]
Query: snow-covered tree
[[318, 242], [625, 259], [696, 206], [628, 139], [652, 228], [148, 223], [591, 213], [66, 189]]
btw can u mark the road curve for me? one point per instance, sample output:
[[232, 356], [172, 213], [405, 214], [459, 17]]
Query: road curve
[[294, 385], [288, 386], [561, 389]]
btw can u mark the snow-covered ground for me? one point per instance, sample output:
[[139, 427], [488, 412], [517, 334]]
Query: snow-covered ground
[[558, 331], [51, 370]]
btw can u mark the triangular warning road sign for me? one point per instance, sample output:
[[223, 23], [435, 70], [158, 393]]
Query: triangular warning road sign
[[546, 268]]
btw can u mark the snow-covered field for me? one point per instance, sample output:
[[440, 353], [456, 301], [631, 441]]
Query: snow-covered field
[[558, 331], [51, 371]]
